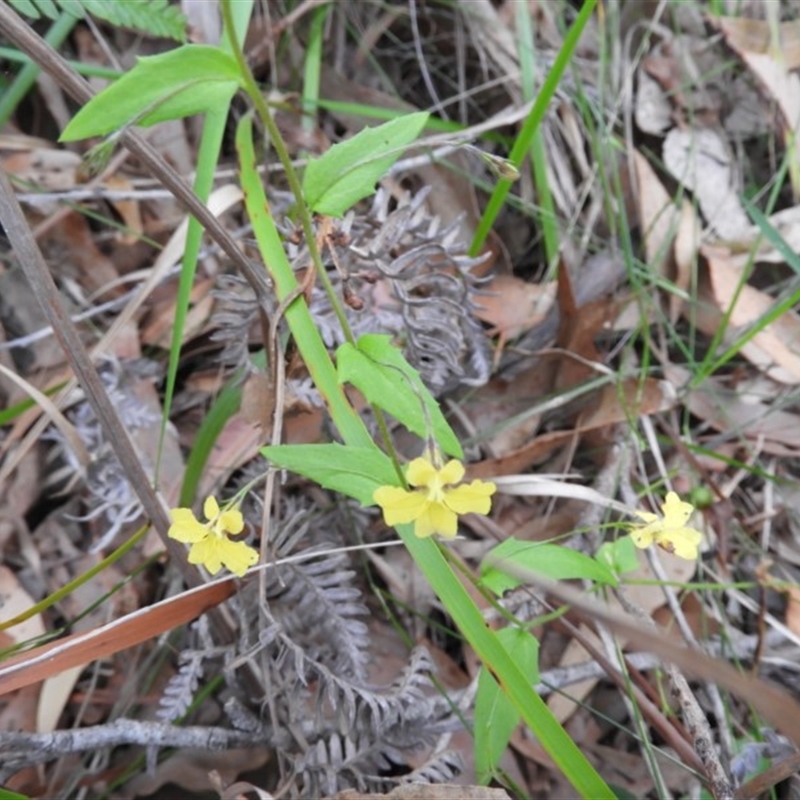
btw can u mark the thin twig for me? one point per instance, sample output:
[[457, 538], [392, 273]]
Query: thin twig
[[21, 750], [41, 281], [693, 716], [27, 40]]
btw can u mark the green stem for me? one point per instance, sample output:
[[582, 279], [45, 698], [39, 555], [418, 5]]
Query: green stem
[[260, 105], [11, 97], [532, 122], [301, 324], [70, 587], [305, 216], [88, 70], [425, 552]]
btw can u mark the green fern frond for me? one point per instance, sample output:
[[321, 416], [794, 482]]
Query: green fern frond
[[35, 9], [154, 17]]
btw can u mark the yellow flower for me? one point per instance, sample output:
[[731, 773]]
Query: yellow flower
[[671, 532], [432, 506], [211, 546]]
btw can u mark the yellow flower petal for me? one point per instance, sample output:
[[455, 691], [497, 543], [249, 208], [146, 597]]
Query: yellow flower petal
[[475, 498], [669, 532], [217, 551], [676, 512], [238, 557], [231, 521], [684, 542], [211, 508], [436, 518], [399, 505], [433, 507], [451, 472], [643, 537], [420, 472], [185, 527], [209, 552]]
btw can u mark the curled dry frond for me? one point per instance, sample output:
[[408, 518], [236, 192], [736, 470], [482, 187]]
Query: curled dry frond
[[410, 278], [107, 491], [308, 642]]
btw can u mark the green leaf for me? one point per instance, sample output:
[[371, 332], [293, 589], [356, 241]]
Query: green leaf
[[7, 794], [354, 471], [429, 558], [155, 17], [619, 555], [554, 561], [348, 171], [188, 80], [495, 715], [37, 9], [381, 373]]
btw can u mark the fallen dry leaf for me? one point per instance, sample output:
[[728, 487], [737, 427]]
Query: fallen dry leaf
[[53, 699], [685, 249], [658, 216], [776, 348], [47, 168], [189, 769], [652, 109], [740, 417], [648, 597], [129, 210], [701, 160], [512, 306], [14, 601], [79, 649], [20, 711], [615, 405], [747, 35], [776, 704], [793, 609], [505, 409], [771, 55]]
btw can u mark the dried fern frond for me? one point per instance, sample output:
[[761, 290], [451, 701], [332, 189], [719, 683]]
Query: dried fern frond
[[315, 601], [305, 644], [415, 282], [340, 761], [154, 17], [439, 768], [107, 489], [368, 763], [234, 319], [179, 692], [410, 278]]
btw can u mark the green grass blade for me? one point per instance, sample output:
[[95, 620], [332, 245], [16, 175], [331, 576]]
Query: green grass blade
[[772, 235], [11, 97], [222, 409], [207, 158], [547, 218], [538, 717], [313, 67], [533, 120], [305, 333]]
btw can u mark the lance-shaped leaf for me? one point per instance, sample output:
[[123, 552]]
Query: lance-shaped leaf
[[348, 171], [554, 561], [381, 373], [354, 471], [188, 80], [495, 715]]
